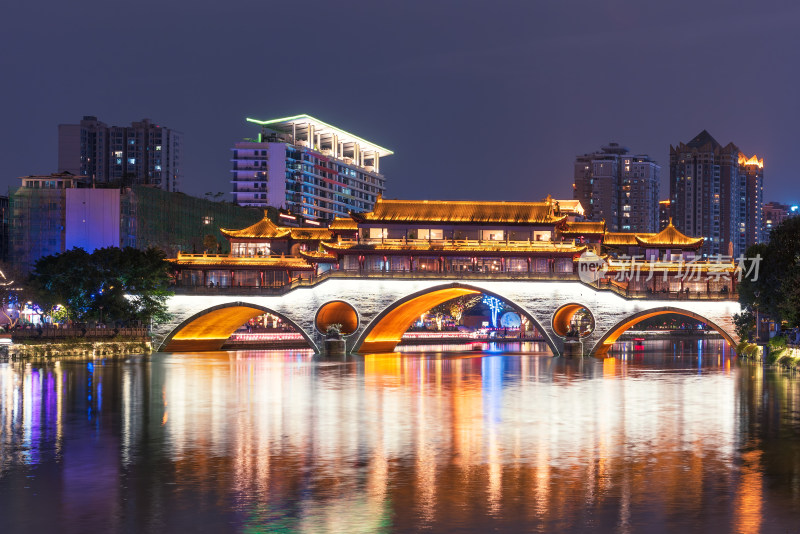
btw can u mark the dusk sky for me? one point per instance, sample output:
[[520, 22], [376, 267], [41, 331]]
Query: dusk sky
[[479, 100]]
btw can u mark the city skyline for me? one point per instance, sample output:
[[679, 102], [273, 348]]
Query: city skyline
[[499, 74]]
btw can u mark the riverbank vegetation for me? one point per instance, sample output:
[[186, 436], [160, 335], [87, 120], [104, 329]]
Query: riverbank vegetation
[[110, 285], [774, 294]]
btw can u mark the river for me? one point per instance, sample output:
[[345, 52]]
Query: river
[[664, 437]]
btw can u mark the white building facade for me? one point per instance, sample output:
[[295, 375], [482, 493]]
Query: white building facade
[[308, 167]]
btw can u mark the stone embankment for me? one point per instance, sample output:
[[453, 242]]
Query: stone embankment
[[78, 348]]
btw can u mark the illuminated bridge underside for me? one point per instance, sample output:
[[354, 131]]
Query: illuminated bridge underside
[[385, 308], [605, 343], [390, 327], [210, 330]]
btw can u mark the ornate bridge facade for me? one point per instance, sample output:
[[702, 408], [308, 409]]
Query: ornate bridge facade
[[376, 309]]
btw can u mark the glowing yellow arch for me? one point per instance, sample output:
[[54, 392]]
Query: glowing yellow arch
[[387, 329], [605, 343], [209, 329]]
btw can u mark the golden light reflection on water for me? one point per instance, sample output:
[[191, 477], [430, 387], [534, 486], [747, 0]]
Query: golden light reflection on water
[[399, 442]]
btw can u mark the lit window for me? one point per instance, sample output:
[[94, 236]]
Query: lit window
[[378, 233]]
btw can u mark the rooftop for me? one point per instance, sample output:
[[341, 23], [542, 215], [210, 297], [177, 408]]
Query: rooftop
[[285, 124], [702, 139], [669, 236], [461, 211], [266, 229]]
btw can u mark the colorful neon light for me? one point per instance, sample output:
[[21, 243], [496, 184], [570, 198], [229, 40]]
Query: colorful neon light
[[495, 305]]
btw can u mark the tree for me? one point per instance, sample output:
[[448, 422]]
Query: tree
[[210, 243], [14, 293], [111, 283], [456, 307], [744, 324], [776, 291], [461, 304]]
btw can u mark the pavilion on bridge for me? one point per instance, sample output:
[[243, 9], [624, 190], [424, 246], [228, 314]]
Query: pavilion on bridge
[[542, 239]]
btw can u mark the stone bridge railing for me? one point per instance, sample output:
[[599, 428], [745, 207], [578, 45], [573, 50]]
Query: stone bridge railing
[[602, 285]]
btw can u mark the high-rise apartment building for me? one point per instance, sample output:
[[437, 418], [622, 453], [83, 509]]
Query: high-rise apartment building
[[618, 187], [308, 167], [751, 201], [664, 214], [774, 214], [140, 154], [715, 193]]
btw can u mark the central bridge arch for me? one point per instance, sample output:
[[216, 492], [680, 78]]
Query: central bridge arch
[[386, 330], [607, 340], [210, 328]]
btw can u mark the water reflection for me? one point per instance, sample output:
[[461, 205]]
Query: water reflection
[[666, 437]]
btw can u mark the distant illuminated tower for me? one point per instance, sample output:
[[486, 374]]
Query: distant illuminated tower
[[716, 193], [751, 204]]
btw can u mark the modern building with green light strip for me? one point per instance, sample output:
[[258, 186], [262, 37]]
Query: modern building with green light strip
[[309, 167]]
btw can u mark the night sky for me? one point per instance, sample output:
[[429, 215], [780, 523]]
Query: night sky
[[479, 100]]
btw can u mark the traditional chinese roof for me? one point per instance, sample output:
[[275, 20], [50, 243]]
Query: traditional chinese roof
[[343, 223], [319, 234], [319, 257], [624, 239], [669, 237], [262, 262], [461, 211], [583, 228], [570, 206], [263, 229], [266, 229], [455, 247]]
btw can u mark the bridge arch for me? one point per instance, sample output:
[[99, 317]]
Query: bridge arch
[[210, 328], [607, 340], [337, 312], [386, 329], [562, 317]]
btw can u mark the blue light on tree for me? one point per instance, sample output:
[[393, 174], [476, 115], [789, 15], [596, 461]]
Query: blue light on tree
[[495, 305]]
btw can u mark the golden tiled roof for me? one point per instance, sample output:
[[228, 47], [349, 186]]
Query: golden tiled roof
[[266, 229], [570, 206], [343, 223], [669, 237], [317, 256], [320, 234], [211, 260], [583, 227], [466, 247], [460, 211], [263, 229], [621, 238]]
